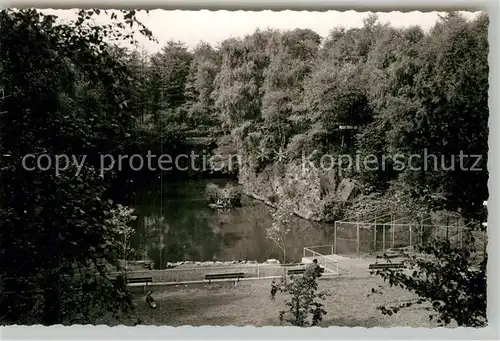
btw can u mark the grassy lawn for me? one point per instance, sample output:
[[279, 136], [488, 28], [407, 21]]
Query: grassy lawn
[[249, 304]]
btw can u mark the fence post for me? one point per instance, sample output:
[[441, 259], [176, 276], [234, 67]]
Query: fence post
[[357, 237], [335, 238], [383, 237], [332, 249], [411, 245], [375, 237], [392, 227], [258, 270]]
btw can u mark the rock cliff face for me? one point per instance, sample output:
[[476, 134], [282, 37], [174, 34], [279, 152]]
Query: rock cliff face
[[317, 191]]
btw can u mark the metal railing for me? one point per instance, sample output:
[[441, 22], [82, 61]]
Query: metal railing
[[326, 260], [197, 273]]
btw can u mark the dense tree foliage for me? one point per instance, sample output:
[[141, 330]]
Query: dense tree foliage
[[67, 93], [68, 89], [403, 91], [418, 97]]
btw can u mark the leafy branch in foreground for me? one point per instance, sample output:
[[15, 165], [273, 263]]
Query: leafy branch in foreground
[[449, 279]]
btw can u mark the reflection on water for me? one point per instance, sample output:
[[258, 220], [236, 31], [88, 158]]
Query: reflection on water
[[175, 224]]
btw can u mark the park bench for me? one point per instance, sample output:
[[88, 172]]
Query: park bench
[[301, 271], [236, 275], [136, 280], [386, 266], [140, 280], [382, 266], [296, 271]]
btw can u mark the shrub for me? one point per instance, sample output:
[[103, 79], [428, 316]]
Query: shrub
[[230, 192], [212, 191], [304, 305], [234, 193]]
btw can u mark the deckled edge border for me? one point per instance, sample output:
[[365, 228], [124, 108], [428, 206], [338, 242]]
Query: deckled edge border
[[290, 333]]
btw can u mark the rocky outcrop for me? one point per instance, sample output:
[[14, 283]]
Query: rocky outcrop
[[316, 190]]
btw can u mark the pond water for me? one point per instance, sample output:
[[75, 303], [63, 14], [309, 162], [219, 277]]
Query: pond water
[[175, 224]]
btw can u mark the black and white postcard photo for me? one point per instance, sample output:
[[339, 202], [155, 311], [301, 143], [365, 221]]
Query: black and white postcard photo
[[244, 168]]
